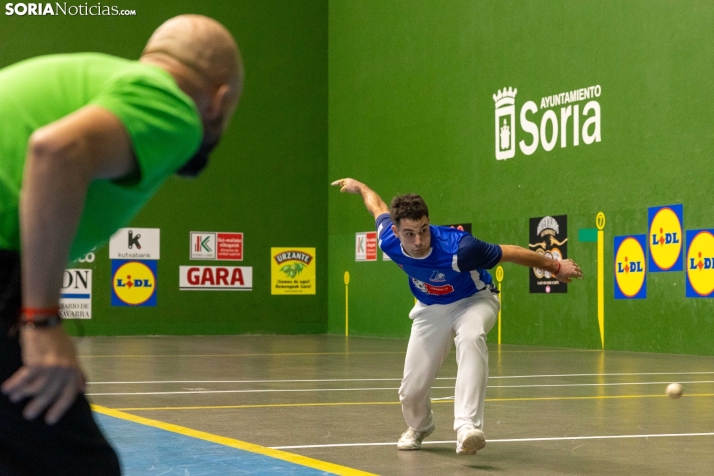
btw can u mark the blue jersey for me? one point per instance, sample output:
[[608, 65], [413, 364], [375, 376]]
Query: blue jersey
[[455, 267]]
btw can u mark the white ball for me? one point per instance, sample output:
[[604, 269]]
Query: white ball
[[674, 390]]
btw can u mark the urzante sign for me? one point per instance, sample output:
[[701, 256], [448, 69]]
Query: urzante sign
[[292, 270], [551, 127], [215, 278]]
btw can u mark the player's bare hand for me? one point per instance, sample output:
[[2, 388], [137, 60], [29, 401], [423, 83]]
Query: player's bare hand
[[568, 270], [348, 185], [50, 376]]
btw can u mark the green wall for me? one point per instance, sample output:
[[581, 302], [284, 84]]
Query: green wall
[[411, 110], [406, 89], [266, 178]]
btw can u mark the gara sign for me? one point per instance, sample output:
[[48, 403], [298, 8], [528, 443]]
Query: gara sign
[[215, 278]]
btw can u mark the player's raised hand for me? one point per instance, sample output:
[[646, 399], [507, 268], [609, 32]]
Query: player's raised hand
[[348, 185], [568, 270]]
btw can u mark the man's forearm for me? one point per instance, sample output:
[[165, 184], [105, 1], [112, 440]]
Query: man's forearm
[[374, 203], [51, 204], [518, 255]]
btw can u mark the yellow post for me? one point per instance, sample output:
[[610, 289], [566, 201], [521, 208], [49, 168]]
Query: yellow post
[[600, 223], [347, 303], [499, 278]]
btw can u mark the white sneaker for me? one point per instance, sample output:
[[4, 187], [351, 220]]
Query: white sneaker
[[411, 439], [469, 441]]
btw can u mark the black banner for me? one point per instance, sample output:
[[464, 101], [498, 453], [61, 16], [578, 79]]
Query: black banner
[[549, 237]]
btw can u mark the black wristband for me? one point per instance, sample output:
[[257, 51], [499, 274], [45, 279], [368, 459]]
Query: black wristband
[[46, 323]]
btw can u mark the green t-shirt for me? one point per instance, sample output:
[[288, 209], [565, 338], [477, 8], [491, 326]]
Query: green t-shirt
[[162, 122]]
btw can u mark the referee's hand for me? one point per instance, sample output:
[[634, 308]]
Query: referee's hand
[[50, 377]]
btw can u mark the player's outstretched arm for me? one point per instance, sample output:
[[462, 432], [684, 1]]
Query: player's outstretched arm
[[563, 269], [375, 205]]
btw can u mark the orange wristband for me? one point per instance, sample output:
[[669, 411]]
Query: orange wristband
[[30, 313]]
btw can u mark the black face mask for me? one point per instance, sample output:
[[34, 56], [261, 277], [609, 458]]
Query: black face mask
[[198, 162]]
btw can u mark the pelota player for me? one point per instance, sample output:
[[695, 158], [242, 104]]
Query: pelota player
[[456, 299]]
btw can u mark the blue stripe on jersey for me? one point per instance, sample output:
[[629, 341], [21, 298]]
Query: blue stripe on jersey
[[454, 269]]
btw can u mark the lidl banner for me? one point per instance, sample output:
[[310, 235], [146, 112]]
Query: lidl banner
[[292, 270], [666, 227], [134, 282], [630, 267], [76, 295], [700, 263]]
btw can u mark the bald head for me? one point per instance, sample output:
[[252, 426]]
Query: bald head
[[204, 59], [203, 45]]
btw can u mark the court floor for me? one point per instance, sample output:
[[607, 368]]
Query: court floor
[[329, 405]]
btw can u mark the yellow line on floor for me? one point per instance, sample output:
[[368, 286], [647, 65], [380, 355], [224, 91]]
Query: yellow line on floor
[[267, 405], [292, 354], [339, 404], [241, 445]]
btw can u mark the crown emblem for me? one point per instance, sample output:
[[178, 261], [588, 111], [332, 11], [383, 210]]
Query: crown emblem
[[506, 96]]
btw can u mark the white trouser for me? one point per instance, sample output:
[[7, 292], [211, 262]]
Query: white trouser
[[466, 322]]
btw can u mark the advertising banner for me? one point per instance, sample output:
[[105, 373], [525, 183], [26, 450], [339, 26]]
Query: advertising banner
[[292, 271], [76, 295], [215, 278], [549, 237]]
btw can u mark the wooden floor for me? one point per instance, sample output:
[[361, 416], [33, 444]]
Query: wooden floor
[[548, 411]]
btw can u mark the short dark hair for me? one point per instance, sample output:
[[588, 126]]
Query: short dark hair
[[409, 206]]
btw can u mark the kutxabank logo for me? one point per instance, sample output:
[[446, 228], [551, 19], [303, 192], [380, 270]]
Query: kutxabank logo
[[551, 127]]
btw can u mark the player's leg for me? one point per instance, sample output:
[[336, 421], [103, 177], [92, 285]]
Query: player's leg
[[475, 318], [429, 343], [74, 445]]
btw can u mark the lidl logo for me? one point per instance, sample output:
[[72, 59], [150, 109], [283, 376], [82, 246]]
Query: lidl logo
[[630, 269], [700, 263], [133, 283], [665, 238]]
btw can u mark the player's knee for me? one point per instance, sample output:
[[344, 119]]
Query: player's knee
[[412, 393], [474, 335]]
